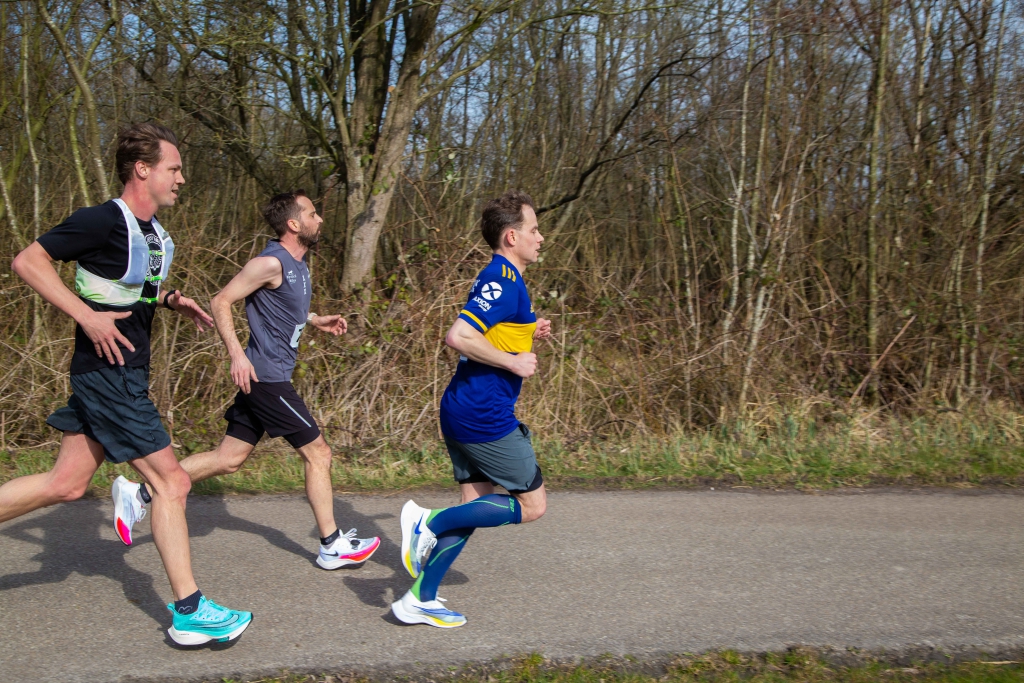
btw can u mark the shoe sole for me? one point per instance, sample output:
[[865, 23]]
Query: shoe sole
[[193, 638], [357, 558], [410, 514], [409, 618], [120, 528]]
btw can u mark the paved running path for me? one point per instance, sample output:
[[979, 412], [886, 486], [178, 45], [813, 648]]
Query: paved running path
[[623, 573]]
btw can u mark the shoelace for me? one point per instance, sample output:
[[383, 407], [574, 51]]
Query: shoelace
[[212, 611], [350, 536], [424, 548], [142, 507]]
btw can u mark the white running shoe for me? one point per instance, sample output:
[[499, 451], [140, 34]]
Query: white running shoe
[[128, 508], [417, 539], [347, 549], [409, 610]]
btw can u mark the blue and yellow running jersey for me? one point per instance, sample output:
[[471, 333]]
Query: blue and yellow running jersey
[[479, 403]]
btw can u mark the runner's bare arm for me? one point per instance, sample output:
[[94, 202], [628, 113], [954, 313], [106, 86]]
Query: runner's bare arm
[[468, 341], [180, 303], [262, 271], [331, 324], [35, 267]]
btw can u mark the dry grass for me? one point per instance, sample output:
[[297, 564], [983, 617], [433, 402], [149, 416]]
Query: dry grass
[[848, 450]]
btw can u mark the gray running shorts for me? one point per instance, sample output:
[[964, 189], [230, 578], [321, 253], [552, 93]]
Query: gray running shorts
[[112, 407], [508, 462]]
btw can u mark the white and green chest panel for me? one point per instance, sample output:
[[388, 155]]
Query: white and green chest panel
[[128, 288]]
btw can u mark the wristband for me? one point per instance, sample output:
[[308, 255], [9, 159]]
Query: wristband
[[168, 298], [309, 318]]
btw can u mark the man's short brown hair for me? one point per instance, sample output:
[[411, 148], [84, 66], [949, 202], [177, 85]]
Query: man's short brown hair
[[502, 214], [282, 208], [140, 142]]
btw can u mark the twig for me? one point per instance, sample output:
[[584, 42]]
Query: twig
[[878, 362]]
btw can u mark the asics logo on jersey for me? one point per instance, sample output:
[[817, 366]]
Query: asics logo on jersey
[[491, 291]]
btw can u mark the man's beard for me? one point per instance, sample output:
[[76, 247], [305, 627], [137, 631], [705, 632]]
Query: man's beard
[[309, 239]]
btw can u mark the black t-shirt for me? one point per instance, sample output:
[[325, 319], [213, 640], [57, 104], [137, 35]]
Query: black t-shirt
[[97, 238]]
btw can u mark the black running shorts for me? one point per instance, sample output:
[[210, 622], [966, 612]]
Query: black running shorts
[[112, 407], [274, 408]]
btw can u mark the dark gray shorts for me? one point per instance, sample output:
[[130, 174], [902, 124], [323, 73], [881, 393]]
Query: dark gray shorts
[[508, 462], [111, 406]]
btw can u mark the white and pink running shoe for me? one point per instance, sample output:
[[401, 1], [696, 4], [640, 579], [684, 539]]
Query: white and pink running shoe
[[128, 508]]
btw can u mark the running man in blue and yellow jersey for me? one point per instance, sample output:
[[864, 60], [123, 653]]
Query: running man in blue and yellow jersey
[[494, 334]]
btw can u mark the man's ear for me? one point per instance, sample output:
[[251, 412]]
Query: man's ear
[[141, 169], [294, 225], [510, 237]]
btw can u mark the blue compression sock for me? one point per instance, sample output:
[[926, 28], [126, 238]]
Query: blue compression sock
[[496, 509], [449, 545]]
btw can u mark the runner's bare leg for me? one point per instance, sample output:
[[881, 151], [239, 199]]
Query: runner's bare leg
[[319, 490], [77, 460], [169, 485], [226, 459]]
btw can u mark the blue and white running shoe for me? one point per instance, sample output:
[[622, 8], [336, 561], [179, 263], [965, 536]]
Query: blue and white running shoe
[[209, 622], [417, 539], [409, 610]]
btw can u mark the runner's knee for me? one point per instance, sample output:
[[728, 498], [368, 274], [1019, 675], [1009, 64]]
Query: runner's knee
[[535, 510], [232, 461], [321, 457], [317, 454], [66, 490], [174, 485]]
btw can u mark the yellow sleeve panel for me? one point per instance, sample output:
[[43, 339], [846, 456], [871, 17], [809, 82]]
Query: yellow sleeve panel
[[474, 319], [512, 337]]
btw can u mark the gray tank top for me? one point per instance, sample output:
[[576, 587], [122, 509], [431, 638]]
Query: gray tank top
[[277, 318]]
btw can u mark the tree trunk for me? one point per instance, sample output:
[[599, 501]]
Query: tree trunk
[[740, 182], [874, 195], [988, 144], [372, 177]]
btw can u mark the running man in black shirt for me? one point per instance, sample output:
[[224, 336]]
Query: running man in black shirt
[[122, 254]]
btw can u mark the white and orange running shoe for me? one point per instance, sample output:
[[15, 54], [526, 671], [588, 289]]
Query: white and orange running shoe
[[347, 550]]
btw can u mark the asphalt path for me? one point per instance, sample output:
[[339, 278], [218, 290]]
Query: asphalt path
[[622, 572]]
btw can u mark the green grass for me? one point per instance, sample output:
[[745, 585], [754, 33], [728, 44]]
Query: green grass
[[851, 451], [795, 666]]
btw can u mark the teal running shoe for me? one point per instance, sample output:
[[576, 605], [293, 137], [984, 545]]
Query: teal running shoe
[[209, 622]]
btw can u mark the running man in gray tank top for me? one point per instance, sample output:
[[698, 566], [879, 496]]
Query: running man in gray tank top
[[276, 288], [277, 317]]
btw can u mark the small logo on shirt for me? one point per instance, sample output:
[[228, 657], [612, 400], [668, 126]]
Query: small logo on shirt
[[156, 254], [491, 291], [291, 277]]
